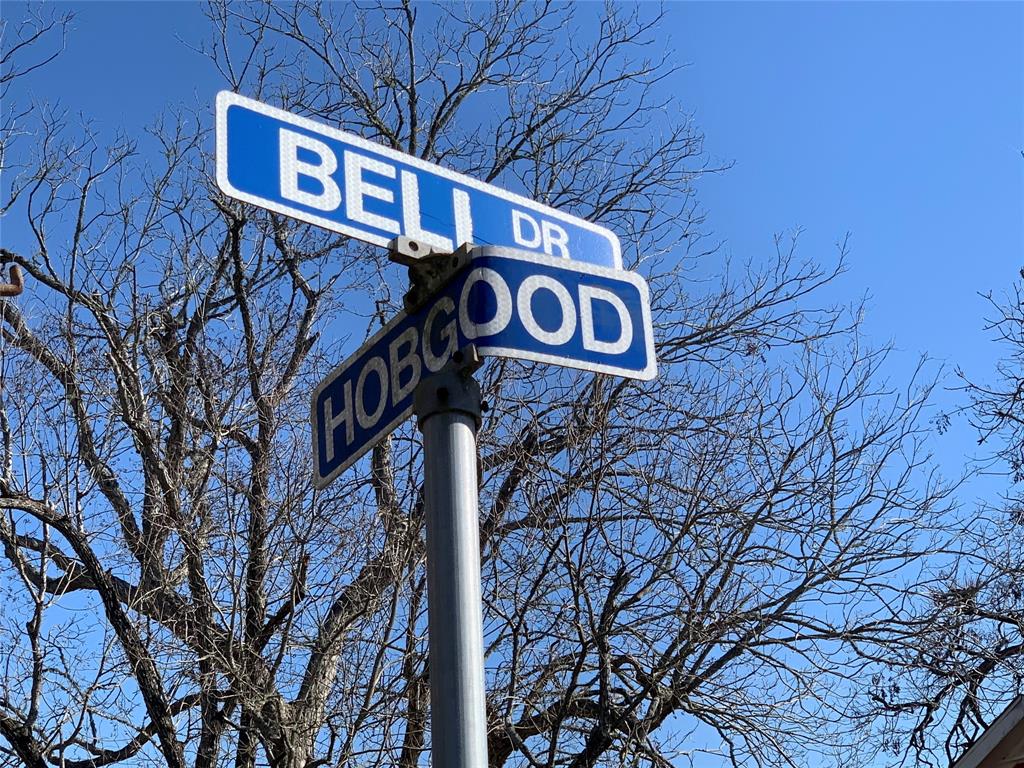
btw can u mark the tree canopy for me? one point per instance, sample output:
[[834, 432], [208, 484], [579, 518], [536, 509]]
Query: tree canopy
[[710, 564], [944, 683]]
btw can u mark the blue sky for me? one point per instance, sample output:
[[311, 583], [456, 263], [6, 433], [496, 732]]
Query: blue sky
[[902, 124]]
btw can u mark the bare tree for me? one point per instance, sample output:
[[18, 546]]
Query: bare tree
[[671, 568], [961, 661]]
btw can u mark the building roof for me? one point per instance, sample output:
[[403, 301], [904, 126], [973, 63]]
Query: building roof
[[1002, 743]]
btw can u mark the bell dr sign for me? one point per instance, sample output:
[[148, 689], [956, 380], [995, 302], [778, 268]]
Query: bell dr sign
[[324, 176]]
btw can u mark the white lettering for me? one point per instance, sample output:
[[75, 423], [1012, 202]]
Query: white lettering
[[588, 294], [368, 420], [436, 362], [291, 168], [554, 236], [518, 220], [356, 189], [411, 216], [332, 420], [463, 217], [524, 303], [503, 312], [409, 361]]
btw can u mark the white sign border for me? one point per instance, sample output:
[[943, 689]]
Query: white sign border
[[227, 99]]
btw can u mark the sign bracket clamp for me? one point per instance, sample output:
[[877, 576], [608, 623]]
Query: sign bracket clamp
[[429, 268]]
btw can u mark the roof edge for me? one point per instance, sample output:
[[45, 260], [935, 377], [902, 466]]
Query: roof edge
[[993, 735]]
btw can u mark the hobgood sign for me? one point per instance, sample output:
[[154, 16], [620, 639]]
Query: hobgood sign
[[508, 304], [336, 180]]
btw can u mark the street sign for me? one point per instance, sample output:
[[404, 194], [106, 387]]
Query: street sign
[[508, 304], [323, 176]]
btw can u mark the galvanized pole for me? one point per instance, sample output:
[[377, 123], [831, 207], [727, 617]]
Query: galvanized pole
[[447, 407]]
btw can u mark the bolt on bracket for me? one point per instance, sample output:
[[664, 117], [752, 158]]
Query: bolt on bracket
[[429, 269]]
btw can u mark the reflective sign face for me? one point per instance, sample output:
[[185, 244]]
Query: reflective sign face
[[508, 304], [330, 178]]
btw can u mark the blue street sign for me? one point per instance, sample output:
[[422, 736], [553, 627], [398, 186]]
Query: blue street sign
[[507, 303], [336, 180]]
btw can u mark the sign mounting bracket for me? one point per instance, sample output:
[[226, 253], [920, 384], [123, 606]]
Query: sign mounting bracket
[[429, 269]]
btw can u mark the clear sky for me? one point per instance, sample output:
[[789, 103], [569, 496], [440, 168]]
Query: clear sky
[[902, 124]]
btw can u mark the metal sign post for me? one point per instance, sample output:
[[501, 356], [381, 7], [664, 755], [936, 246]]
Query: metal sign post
[[447, 407]]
